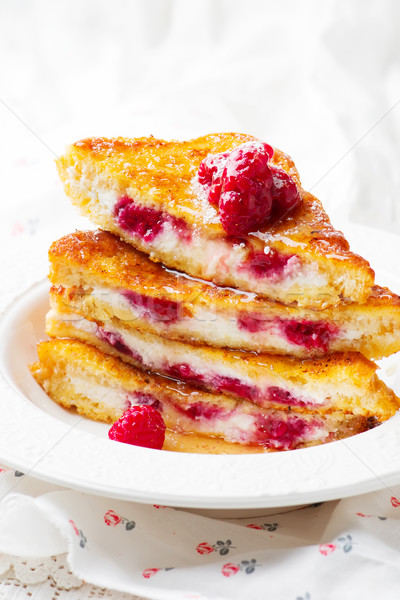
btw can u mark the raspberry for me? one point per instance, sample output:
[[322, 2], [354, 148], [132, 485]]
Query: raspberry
[[116, 341], [155, 309], [267, 265], [246, 189], [199, 410], [214, 192], [248, 322], [249, 161], [183, 371], [309, 334], [210, 172], [235, 386], [211, 167], [146, 222], [277, 394], [246, 201], [242, 212], [274, 432], [140, 426], [284, 190]]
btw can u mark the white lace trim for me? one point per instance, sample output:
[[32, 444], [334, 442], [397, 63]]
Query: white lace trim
[[53, 573], [37, 570]]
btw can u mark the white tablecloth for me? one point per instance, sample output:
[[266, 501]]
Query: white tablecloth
[[319, 80]]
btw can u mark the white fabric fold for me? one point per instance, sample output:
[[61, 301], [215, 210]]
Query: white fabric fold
[[162, 553]]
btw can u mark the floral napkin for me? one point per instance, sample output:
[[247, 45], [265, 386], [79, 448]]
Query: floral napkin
[[321, 551]]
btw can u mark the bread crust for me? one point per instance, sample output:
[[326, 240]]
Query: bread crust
[[103, 254], [82, 260], [60, 360], [161, 174]]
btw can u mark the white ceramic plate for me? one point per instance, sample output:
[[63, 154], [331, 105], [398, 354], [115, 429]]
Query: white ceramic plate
[[39, 437]]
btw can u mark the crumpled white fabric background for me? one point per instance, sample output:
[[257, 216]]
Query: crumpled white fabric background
[[318, 80]]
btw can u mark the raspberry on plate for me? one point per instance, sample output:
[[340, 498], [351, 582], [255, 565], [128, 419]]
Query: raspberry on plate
[[139, 426]]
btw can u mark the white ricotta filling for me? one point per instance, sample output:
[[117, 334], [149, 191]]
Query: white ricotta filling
[[237, 427], [204, 324], [100, 394], [156, 352], [211, 327], [212, 256]]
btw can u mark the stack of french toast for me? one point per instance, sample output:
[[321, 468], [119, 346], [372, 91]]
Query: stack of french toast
[[217, 292]]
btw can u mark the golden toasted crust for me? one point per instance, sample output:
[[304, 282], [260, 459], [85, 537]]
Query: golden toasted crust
[[161, 169], [86, 259], [165, 170], [160, 174], [111, 260], [55, 354], [62, 360], [348, 380]]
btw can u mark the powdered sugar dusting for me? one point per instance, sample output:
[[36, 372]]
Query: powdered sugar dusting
[[200, 198]]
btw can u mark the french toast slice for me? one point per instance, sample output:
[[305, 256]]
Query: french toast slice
[[344, 382], [98, 274], [77, 375], [147, 191]]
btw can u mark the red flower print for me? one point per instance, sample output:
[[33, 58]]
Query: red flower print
[[395, 501], [111, 518], [76, 530], [79, 532], [264, 526], [147, 573], [17, 229], [370, 516], [327, 549], [220, 547], [229, 569], [205, 548]]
